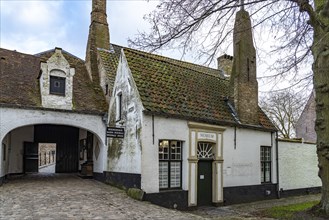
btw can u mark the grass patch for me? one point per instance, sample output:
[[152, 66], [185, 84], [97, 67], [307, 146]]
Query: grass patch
[[288, 211]]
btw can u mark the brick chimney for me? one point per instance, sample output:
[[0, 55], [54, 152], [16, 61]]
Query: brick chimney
[[243, 82], [99, 37], [225, 62]]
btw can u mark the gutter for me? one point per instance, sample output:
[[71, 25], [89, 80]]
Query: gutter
[[209, 121], [26, 107]]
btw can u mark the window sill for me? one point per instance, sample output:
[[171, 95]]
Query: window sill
[[171, 190], [57, 94]]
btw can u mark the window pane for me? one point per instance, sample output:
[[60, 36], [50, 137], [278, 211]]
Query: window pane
[[265, 157], [163, 175], [268, 154], [262, 172], [57, 85], [205, 150], [164, 150], [170, 164], [267, 172], [175, 174], [175, 147], [265, 154]]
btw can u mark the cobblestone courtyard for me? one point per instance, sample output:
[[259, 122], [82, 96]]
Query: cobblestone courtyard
[[64, 196]]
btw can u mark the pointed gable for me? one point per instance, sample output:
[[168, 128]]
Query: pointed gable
[[178, 89]]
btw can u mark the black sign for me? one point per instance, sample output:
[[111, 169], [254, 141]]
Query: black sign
[[114, 132]]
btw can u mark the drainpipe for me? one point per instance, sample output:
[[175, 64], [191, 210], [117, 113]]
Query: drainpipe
[[153, 128], [277, 165]]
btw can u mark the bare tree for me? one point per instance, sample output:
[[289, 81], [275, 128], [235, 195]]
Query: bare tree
[[284, 109], [301, 30]]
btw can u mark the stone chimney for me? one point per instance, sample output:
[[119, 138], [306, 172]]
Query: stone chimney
[[225, 62], [99, 37], [243, 82]]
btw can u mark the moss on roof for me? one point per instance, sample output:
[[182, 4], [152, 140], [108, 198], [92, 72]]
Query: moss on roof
[[176, 88], [19, 83], [170, 88]]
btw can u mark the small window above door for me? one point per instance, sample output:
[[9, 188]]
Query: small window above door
[[205, 150]]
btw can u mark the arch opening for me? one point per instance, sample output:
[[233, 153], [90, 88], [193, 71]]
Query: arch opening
[[51, 148]]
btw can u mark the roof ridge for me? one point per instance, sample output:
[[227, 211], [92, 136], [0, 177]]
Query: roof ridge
[[53, 50], [165, 59], [22, 53]]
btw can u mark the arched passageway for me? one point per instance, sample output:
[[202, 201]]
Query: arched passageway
[[47, 126], [51, 148]]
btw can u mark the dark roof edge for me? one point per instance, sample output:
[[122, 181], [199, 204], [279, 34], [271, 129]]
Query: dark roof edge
[[18, 52], [53, 50], [215, 122], [85, 112]]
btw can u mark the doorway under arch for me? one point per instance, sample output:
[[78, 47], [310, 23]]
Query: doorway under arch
[[72, 149]]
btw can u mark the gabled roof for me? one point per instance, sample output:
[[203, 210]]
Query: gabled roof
[[178, 89], [19, 83]]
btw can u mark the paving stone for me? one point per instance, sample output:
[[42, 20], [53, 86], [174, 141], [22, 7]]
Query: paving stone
[[66, 196]]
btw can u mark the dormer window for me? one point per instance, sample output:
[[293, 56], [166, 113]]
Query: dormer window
[[57, 85], [56, 82]]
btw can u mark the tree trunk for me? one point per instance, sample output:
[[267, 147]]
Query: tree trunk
[[320, 50]]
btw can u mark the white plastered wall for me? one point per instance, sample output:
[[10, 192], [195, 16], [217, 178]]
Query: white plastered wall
[[242, 160], [16, 148], [82, 135], [164, 128], [4, 147], [12, 118], [298, 165], [124, 154], [241, 165]]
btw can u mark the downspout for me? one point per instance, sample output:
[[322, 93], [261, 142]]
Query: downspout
[[234, 137], [153, 128], [277, 165]]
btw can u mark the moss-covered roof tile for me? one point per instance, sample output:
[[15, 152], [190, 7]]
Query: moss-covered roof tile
[[176, 88]]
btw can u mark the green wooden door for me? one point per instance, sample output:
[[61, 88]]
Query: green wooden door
[[204, 182]]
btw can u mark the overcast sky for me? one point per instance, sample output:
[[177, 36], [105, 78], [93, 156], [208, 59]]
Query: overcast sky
[[33, 26]]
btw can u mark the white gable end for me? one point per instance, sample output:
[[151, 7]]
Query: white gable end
[[125, 111]]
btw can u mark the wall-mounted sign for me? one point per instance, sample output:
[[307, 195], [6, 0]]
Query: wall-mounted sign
[[207, 136], [114, 132]]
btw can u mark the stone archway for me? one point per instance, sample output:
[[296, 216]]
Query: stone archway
[[12, 118]]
